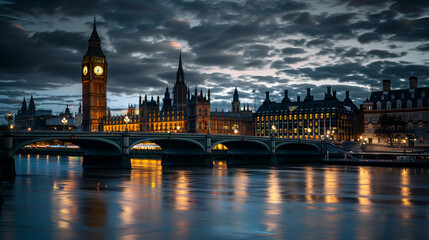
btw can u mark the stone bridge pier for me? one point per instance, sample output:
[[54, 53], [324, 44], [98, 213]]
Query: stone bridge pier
[[7, 162]]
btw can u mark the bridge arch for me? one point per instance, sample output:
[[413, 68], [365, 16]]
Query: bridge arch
[[236, 144], [83, 142], [297, 152], [171, 143], [298, 146], [179, 151]]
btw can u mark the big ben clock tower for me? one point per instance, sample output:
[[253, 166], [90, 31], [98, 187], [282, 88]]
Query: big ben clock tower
[[94, 81]]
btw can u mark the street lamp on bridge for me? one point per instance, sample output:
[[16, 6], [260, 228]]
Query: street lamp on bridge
[[64, 121], [126, 120]]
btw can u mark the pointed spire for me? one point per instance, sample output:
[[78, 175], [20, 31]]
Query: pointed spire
[[235, 97], [180, 75], [94, 46]]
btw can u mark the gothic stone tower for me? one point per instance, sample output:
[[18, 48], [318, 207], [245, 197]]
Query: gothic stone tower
[[180, 90], [94, 80], [236, 102]]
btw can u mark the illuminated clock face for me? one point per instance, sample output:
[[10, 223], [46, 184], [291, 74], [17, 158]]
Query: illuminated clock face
[[98, 70], [85, 70]]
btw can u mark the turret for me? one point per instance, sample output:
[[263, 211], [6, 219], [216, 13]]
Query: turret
[[235, 102], [32, 106]]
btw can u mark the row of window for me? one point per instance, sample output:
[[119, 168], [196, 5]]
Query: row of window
[[399, 104], [295, 117], [392, 97]]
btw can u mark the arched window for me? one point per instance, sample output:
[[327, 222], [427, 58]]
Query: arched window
[[412, 95], [392, 97], [398, 104], [402, 95], [409, 104], [378, 105], [423, 94], [382, 97], [419, 103], [388, 105]]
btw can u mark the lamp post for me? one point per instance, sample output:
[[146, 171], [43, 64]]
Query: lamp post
[[9, 118], [64, 121], [308, 131], [126, 120], [178, 128]]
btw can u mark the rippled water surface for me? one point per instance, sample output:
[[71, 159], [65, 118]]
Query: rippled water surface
[[55, 198]]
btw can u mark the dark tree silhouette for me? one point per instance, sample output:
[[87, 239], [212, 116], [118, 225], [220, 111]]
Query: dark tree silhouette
[[389, 126]]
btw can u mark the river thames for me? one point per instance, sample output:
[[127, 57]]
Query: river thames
[[53, 197]]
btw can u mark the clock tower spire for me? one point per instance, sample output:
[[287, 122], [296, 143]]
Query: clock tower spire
[[94, 81]]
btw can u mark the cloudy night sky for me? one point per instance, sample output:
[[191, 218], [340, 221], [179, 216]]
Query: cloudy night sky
[[263, 45]]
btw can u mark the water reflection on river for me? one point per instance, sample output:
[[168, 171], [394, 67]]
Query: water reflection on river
[[54, 198]]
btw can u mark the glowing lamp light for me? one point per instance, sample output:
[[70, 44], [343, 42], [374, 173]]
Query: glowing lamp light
[[235, 131]]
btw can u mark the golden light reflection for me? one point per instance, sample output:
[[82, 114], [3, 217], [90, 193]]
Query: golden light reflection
[[405, 190], [364, 190], [146, 172], [220, 165], [182, 192], [274, 200], [66, 204], [274, 192], [331, 186], [241, 181], [309, 184], [146, 180]]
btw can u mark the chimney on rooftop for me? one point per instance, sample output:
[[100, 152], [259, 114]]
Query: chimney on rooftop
[[413, 82], [386, 85]]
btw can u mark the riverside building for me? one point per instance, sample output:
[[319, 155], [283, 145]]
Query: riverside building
[[329, 118], [410, 106]]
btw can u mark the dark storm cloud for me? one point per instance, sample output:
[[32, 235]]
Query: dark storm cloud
[[292, 60], [423, 47], [295, 42], [319, 43], [142, 39], [292, 51], [385, 54], [369, 37]]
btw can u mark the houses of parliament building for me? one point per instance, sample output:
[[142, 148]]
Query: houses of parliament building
[[186, 113]]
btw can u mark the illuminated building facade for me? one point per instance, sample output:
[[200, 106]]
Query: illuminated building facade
[[410, 105], [329, 118], [186, 112], [94, 82]]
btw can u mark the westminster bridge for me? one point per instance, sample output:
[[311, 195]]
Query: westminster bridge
[[112, 150]]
